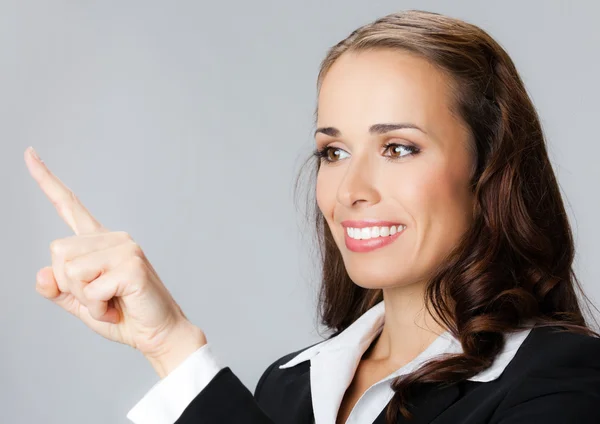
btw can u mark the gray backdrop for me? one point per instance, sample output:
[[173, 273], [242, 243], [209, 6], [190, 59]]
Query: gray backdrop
[[185, 124]]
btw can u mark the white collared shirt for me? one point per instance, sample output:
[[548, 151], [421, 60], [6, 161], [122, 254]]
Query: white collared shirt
[[333, 363]]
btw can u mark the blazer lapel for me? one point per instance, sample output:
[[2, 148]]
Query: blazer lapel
[[426, 404], [297, 398]]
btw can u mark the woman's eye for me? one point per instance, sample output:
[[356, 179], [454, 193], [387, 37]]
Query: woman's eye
[[396, 150], [331, 154], [335, 154]]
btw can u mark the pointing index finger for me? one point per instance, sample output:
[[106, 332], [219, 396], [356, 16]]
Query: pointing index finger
[[66, 202]]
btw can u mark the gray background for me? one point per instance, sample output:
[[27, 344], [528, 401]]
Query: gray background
[[185, 124]]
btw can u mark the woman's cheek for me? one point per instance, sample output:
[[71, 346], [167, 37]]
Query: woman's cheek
[[325, 194], [417, 192]]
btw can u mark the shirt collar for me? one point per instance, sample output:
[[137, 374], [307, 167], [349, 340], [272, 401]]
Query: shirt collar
[[357, 337]]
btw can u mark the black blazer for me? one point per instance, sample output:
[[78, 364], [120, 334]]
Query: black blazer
[[553, 378]]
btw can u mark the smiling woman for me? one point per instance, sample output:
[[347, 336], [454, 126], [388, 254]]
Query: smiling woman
[[415, 173], [447, 272]]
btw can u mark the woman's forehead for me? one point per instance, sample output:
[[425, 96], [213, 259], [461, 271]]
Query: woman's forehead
[[369, 87]]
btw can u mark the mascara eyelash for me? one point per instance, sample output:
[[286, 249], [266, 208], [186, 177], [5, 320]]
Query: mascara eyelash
[[321, 153]]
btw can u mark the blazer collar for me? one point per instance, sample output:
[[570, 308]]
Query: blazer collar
[[358, 336], [333, 363]]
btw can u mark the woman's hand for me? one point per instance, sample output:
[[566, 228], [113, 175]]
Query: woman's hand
[[105, 280]]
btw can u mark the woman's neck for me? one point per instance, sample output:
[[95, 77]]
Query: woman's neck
[[408, 328]]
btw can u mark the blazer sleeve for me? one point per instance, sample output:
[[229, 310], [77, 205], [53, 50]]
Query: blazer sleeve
[[201, 390], [567, 393], [226, 400], [169, 397]]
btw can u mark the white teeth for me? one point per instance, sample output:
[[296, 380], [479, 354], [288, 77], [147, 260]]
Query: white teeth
[[372, 232]]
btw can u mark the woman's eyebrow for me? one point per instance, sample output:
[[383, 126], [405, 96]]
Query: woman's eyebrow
[[374, 129]]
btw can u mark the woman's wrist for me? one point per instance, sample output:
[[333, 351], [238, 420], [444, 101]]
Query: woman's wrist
[[186, 340]]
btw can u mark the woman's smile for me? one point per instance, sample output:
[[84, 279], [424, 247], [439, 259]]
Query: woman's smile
[[365, 236]]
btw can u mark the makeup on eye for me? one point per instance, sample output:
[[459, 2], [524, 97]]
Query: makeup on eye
[[324, 153]]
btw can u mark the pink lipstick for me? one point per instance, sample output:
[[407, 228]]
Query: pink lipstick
[[368, 235]]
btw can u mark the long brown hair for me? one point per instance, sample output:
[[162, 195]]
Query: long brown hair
[[514, 264]]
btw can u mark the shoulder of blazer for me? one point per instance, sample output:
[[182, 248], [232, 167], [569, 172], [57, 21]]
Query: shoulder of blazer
[[553, 378], [547, 348]]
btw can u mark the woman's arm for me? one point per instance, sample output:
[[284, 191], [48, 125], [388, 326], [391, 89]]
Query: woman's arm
[[168, 398], [197, 389], [96, 269], [226, 400]]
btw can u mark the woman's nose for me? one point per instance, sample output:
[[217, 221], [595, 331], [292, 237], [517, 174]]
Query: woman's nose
[[358, 184]]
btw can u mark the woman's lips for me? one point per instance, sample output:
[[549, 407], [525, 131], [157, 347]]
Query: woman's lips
[[371, 243]]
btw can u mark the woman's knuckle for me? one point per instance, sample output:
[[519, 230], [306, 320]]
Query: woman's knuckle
[[56, 247], [123, 235], [137, 266], [70, 269], [136, 250]]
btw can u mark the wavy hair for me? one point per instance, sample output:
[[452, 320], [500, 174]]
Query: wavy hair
[[514, 264]]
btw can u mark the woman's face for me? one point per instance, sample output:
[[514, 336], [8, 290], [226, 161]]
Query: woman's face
[[419, 181]]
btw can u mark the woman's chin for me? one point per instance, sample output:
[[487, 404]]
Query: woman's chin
[[371, 279]]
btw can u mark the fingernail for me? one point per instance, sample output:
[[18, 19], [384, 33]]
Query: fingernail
[[34, 154]]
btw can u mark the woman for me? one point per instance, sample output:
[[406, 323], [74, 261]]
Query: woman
[[447, 256]]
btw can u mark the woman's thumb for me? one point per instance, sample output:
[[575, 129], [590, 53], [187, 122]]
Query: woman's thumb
[[46, 283]]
